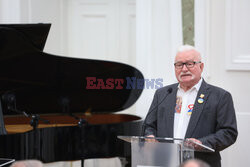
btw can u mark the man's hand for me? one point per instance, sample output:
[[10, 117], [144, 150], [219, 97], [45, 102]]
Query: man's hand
[[191, 142], [151, 138]]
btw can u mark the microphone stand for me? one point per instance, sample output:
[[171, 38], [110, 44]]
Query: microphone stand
[[64, 102], [169, 91], [81, 121], [34, 123], [35, 118], [10, 99], [11, 106], [81, 124]]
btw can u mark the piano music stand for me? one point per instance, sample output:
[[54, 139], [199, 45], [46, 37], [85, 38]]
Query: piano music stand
[[164, 152], [5, 161]]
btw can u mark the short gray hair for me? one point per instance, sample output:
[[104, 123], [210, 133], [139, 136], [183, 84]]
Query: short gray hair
[[184, 48]]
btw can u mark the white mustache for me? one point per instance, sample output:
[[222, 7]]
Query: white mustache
[[185, 73]]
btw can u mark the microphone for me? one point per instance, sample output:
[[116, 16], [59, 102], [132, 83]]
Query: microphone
[[10, 100], [65, 103], [169, 91]]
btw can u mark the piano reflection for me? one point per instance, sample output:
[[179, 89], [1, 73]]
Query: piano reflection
[[59, 108]]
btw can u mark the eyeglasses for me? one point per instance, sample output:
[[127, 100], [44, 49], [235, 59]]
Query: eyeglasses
[[189, 64]]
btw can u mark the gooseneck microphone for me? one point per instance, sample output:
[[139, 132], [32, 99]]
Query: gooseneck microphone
[[169, 91]]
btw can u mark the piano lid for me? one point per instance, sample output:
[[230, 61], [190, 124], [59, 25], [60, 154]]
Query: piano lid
[[36, 34], [37, 82]]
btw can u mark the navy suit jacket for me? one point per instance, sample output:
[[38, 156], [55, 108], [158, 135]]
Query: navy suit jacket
[[213, 122]]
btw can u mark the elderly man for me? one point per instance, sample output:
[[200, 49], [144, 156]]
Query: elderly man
[[193, 109]]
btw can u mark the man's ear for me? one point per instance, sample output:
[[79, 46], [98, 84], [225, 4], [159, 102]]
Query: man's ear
[[202, 66]]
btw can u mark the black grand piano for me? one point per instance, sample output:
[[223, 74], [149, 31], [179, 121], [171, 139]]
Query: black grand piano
[[55, 108]]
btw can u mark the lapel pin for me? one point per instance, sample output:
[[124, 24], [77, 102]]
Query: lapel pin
[[200, 100], [202, 96], [190, 106]]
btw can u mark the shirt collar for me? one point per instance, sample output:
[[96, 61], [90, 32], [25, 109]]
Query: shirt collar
[[196, 86]]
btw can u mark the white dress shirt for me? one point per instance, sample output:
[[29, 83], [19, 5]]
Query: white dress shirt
[[183, 110]]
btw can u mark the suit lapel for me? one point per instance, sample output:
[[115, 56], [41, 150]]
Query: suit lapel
[[198, 108], [170, 108]]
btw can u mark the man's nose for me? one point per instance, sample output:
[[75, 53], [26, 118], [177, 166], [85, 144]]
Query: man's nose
[[184, 68]]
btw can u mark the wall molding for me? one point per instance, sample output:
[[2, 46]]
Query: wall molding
[[235, 60], [202, 33]]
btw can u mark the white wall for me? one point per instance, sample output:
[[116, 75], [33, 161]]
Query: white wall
[[158, 35], [10, 11], [38, 11], [229, 39]]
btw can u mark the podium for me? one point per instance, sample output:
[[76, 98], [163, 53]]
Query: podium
[[161, 152]]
